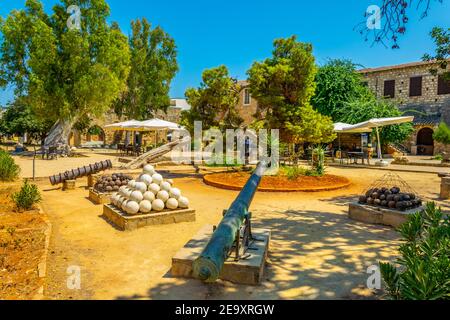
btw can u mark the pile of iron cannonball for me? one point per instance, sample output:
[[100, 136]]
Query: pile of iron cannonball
[[148, 193], [111, 183], [391, 198]]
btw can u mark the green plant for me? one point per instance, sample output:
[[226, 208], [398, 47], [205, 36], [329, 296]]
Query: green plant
[[294, 172], [318, 160], [438, 157], [424, 272], [9, 170], [27, 196], [442, 134]]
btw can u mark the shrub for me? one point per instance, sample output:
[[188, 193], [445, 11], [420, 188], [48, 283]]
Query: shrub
[[27, 196], [318, 160], [424, 272], [442, 134], [293, 173], [9, 170]]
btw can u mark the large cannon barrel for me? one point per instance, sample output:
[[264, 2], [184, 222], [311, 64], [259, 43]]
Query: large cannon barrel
[[80, 172], [208, 265]]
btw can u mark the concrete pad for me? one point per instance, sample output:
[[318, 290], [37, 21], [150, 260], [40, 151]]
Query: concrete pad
[[125, 222], [245, 271], [377, 215]]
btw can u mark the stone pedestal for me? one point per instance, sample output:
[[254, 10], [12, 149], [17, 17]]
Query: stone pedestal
[[99, 197], [377, 215], [248, 271], [126, 222], [445, 188], [69, 185], [92, 179]]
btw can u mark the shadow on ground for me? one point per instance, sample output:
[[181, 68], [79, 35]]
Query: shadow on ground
[[313, 255]]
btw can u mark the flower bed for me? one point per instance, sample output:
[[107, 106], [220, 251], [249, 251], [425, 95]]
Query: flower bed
[[280, 183]]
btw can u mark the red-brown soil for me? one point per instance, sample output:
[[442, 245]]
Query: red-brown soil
[[236, 180], [22, 243]]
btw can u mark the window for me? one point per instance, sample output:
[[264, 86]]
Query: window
[[247, 97], [415, 86], [389, 88], [444, 84]]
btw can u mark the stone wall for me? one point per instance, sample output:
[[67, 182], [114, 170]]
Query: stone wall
[[430, 103], [431, 108], [246, 111]]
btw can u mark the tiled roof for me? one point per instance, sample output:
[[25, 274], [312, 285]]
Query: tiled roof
[[398, 66]]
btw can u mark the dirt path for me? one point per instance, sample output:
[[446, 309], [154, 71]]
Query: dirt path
[[316, 251]]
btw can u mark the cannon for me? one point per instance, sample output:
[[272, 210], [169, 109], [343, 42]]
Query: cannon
[[233, 235], [81, 172]]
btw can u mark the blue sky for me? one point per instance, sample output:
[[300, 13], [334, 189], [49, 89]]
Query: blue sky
[[236, 33]]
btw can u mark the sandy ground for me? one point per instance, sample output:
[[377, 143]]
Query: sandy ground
[[316, 251]]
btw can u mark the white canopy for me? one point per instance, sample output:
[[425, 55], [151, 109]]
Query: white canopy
[[129, 125], [348, 128], [147, 125], [367, 126], [158, 124], [380, 122]]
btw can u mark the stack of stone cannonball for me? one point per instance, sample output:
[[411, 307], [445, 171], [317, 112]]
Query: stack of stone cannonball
[[110, 183], [391, 198], [149, 193]]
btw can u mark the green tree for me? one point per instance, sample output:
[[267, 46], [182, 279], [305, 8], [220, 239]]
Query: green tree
[[284, 85], [153, 66], [441, 38], [442, 134], [19, 118], [64, 73], [214, 102], [337, 83], [369, 107], [313, 127]]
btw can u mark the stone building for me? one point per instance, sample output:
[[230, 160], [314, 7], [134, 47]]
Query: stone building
[[247, 106], [417, 92]]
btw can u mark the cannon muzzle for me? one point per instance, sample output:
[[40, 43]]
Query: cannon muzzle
[[208, 265]]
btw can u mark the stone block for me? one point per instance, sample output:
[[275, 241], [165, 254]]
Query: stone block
[[377, 215], [126, 222], [248, 271]]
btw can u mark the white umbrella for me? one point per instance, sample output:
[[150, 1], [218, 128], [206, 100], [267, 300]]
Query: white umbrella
[[375, 123], [157, 124], [348, 128], [129, 125]]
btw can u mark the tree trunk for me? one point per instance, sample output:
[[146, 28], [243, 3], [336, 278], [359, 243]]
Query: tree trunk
[[59, 135]]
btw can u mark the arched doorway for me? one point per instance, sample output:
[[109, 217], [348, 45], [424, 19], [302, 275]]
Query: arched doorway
[[425, 142], [95, 133]]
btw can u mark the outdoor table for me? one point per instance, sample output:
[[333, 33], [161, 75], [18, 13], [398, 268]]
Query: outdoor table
[[355, 155]]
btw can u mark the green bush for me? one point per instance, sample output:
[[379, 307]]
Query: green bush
[[424, 272], [442, 134], [294, 172], [9, 170], [27, 196]]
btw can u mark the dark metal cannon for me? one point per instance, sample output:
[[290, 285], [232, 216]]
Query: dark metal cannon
[[81, 172], [232, 235]]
